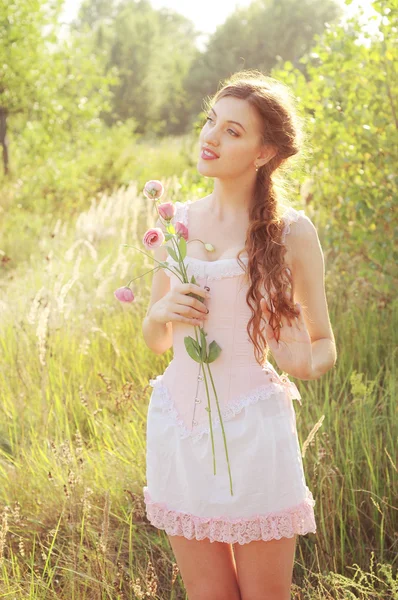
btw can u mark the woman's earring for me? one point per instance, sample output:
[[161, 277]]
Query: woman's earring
[[256, 167]]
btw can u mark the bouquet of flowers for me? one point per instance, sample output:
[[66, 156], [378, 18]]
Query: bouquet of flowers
[[197, 347]]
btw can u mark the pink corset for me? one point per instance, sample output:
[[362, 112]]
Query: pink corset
[[238, 379]]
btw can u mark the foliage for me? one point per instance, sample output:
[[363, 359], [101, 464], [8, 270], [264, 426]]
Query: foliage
[[24, 59], [258, 36], [65, 185], [50, 94], [163, 76], [73, 401], [152, 51], [349, 98]]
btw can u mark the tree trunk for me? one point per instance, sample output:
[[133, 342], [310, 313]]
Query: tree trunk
[[4, 139]]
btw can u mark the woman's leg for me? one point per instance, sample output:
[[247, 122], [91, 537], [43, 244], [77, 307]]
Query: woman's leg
[[207, 568], [265, 569]]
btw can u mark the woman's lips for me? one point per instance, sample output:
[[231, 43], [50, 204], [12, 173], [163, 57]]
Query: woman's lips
[[209, 156]]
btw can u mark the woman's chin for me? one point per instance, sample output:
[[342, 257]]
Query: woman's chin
[[205, 168]]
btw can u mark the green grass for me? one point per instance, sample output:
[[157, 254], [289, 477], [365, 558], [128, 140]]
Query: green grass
[[74, 392]]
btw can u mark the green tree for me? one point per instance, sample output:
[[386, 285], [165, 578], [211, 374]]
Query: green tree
[[152, 51], [257, 37], [50, 90], [350, 101], [23, 61]]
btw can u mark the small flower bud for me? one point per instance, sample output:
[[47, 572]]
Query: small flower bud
[[153, 189], [124, 294], [167, 210]]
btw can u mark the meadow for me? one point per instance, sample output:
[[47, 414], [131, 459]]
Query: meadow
[[74, 392], [85, 121]]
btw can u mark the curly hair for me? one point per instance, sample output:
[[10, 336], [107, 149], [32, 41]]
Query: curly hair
[[267, 273]]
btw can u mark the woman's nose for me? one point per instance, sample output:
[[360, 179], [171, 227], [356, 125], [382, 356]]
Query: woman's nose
[[211, 137], [211, 140]]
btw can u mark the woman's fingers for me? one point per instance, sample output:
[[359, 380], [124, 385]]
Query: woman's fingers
[[299, 320]]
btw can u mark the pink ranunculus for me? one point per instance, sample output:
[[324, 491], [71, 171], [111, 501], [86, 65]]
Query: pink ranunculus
[[153, 238], [124, 294], [167, 210], [181, 230], [153, 189]]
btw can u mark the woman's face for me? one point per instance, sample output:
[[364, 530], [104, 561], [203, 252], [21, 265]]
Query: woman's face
[[237, 144]]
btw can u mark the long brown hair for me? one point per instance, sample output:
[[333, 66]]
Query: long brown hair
[[267, 273]]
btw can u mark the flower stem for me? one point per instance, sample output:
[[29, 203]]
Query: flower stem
[[142, 274], [209, 407], [222, 427], [185, 280], [152, 257], [180, 261], [139, 250]]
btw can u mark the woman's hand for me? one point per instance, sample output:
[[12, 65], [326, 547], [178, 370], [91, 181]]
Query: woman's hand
[[181, 303], [293, 351]]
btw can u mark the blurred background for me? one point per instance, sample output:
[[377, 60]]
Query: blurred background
[[96, 98]]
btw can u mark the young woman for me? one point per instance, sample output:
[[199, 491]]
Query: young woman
[[240, 545]]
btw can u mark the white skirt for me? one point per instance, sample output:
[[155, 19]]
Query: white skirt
[[270, 497]]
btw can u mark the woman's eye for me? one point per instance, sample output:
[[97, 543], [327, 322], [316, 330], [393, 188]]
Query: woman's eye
[[234, 132]]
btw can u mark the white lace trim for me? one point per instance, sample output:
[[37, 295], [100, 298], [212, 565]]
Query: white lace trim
[[229, 411], [224, 267], [216, 269]]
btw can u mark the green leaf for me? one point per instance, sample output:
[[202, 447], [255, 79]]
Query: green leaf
[[214, 351], [176, 269], [172, 253], [204, 344], [192, 294], [192, 348], [182, 246], [196, 296]]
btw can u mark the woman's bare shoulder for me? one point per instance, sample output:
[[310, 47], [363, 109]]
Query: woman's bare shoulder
[[301, 241]]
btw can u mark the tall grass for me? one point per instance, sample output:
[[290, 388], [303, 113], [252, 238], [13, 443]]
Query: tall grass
[[74, 391]]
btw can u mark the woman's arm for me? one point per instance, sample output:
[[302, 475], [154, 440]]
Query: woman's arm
[[305, 259]]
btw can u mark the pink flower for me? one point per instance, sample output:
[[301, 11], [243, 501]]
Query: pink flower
[[153, 189], [124, 294], [153, 238], [167, 210], [181, 230]]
